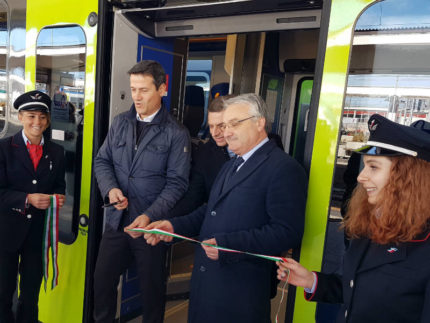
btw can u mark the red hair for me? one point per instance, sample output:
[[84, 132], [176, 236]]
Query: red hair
[[402, 213]]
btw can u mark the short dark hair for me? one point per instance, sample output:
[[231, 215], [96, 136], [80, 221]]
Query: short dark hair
[[152, 68], [217, 104]]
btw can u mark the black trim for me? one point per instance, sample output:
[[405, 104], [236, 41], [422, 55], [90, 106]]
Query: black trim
[[101, 118], [316, 90], [296, 111]]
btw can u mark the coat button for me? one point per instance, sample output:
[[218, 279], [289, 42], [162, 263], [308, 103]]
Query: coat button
[[202, 269], [346, 313], [213, 213], [28, 216], [351, 283], [34, 181]]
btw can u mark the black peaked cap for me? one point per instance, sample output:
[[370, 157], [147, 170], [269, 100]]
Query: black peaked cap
[[33, 101], [388, 138]]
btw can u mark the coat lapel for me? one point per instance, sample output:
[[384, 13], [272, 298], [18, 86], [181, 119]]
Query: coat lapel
[[45, 159], [22, 152], [378, 255], [355, 254], [245, 171]]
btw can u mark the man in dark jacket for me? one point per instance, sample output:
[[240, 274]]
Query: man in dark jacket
[[143, 168], [257, 206], [208, 159]]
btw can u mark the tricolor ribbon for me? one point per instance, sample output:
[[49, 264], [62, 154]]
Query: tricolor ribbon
[[178, 236], [50, 239]]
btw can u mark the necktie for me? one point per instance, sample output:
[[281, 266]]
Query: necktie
[[237, 162], [35, 152]]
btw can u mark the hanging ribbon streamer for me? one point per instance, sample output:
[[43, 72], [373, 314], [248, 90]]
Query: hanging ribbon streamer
[[177, 236], [50, 239], [174, 235]]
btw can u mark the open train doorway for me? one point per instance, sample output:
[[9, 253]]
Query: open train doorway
[[233, 50]]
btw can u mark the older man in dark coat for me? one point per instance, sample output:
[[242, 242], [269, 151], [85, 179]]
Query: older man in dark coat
[[256, 205]]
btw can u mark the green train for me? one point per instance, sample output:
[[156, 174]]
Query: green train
[[323, 68]]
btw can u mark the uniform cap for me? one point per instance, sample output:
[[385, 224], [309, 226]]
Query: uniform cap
[[388, 138], [33, 101]]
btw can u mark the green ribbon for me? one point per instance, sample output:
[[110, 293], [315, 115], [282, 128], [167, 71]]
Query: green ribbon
[[177, 236], [50, 240]]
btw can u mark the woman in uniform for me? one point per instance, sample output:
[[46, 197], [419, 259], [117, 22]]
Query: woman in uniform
[[31, 170], [386, 271]]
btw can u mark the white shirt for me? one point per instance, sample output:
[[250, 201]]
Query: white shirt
[[27, 140], [148, 118], [248, 155]]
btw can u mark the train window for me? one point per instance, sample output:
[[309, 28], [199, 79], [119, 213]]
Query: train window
[[389, 74], [3, 64], [60, 72]]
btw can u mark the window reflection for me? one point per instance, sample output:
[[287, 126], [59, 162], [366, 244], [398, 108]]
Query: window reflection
[[389, 71], [60, 72]]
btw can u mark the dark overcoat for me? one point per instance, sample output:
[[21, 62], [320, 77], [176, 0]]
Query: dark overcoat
[[206, 164], [261, 210], [21, 228], [381, 283], [17, 179]]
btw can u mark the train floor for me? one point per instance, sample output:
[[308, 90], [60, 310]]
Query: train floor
[[176, 311]]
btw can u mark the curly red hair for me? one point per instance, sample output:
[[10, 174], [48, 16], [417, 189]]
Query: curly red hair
[[402, 213]]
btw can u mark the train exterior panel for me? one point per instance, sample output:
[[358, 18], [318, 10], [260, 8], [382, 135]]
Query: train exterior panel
[[66, 302]]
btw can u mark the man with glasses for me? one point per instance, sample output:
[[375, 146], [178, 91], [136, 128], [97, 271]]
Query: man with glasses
[[257, 205]]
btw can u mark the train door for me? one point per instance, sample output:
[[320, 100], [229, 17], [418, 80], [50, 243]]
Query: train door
[[61, 39]]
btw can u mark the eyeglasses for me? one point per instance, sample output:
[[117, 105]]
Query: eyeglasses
[[233, 124]]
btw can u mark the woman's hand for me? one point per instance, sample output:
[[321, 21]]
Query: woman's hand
[[38, 200], [299, 275], [61, 200]]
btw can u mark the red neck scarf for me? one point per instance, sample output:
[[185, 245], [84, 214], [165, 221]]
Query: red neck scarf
[[36, 152]]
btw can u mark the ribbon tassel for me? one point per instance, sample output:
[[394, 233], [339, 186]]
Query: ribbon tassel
[[50, 240]]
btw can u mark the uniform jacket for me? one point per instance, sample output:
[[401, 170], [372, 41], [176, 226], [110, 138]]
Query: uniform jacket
[[261, 210], [154, 176], [207, 162], [17, 179], [381, 283]]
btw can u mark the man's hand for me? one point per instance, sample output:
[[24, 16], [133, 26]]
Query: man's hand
[[61, 200], [38, 200], [140, 222], [211, 252], [115, 195], [153, 239]]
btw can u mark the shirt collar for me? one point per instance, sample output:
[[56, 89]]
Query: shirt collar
[[148, 118], [27, 140], [247, 155], [230, 153]]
